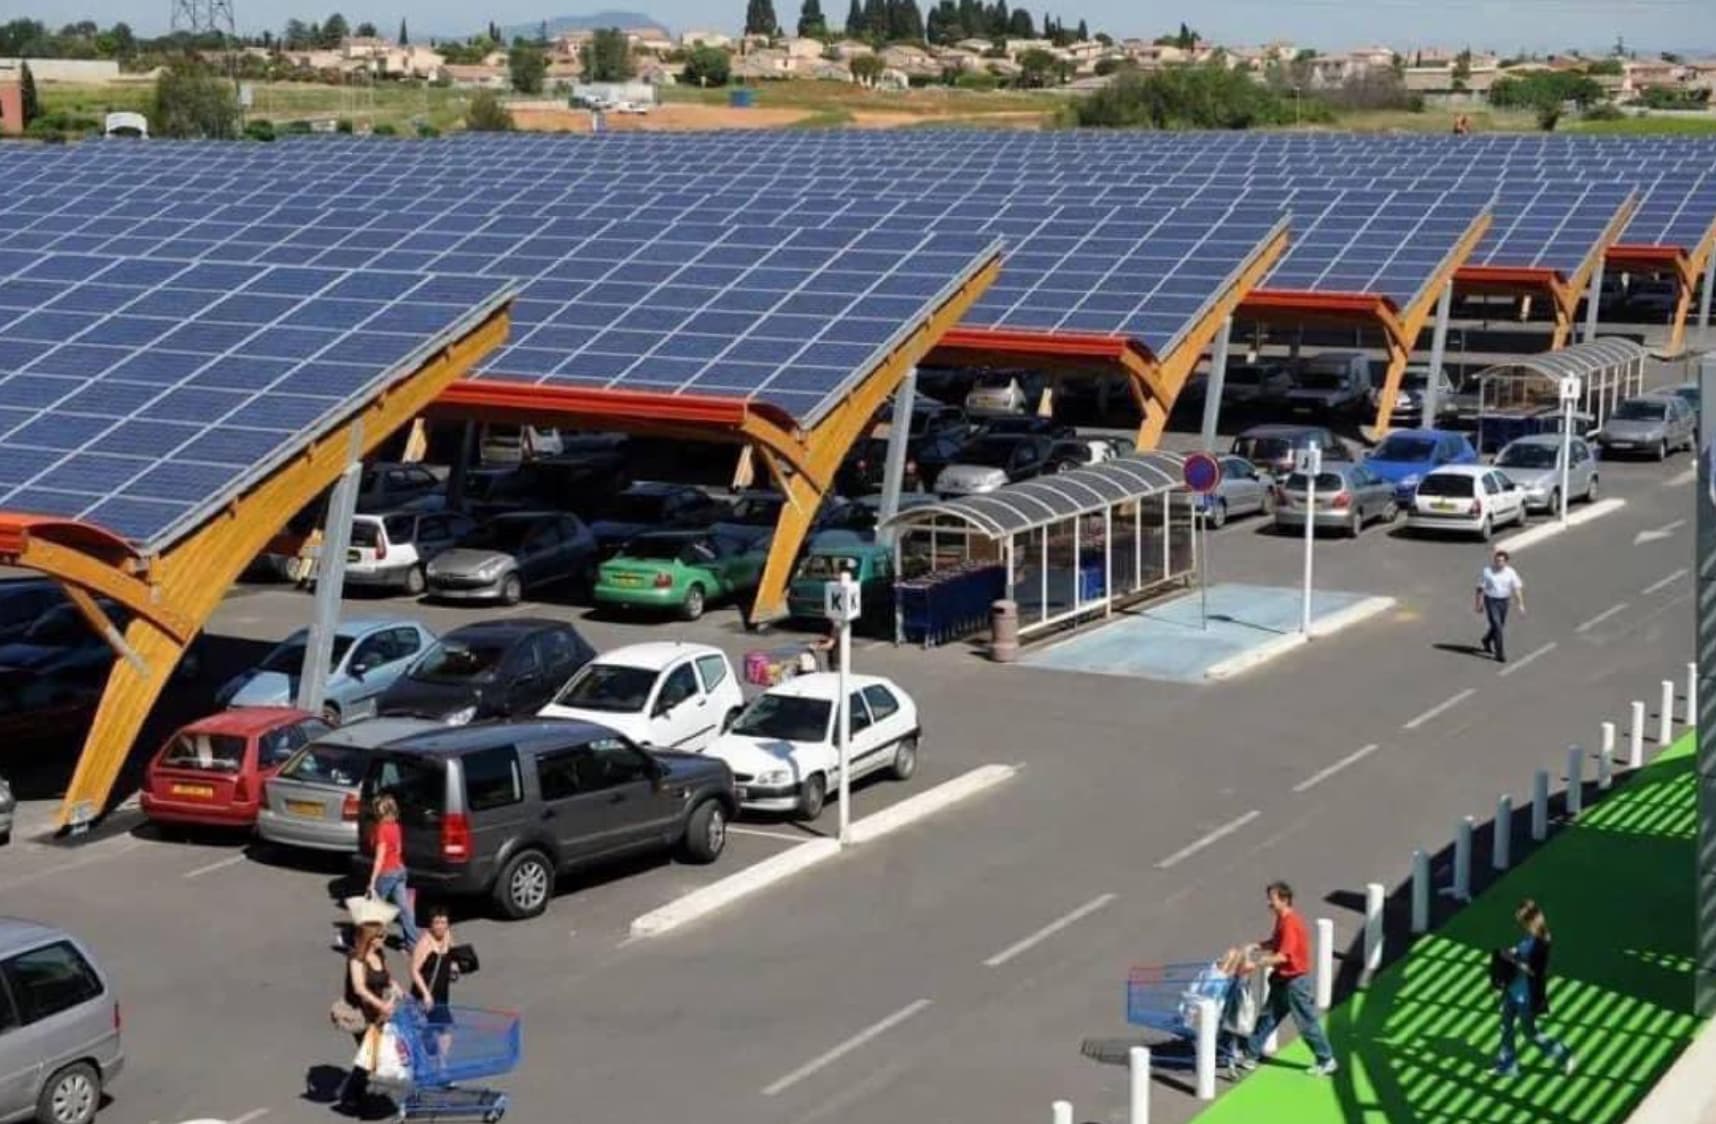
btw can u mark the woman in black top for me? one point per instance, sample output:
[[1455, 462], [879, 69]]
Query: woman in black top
[[432, 968], [369, 988]]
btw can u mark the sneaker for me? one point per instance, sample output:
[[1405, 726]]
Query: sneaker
[[1323, 1069], [1243, 1062]]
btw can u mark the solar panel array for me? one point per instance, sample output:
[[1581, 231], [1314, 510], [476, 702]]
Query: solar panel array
[[1549, 225]]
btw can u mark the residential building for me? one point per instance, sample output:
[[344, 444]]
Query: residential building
[[705, 39], [480, 76], [11, 106], [802, 48], [847, 49]]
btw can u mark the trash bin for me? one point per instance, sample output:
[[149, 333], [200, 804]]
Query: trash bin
[[1004, 631], [742, 98]]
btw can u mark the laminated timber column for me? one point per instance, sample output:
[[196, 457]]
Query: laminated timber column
[[190, 579]]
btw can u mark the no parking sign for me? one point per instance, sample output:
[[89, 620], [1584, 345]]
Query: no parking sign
[[1202, 473]]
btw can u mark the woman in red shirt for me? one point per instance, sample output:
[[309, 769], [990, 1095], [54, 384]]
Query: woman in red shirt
[[387, 872]]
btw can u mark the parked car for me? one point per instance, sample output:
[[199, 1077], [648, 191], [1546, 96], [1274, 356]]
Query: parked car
[[513, 554], [1405, 456], [390, 551], [751, 518], [992, 462], [1255, 384], [60, 1045], [501, 810], [391, 487], [1656, 425], [1468, 498], [669, 694], [871, 565], [23, 601], [211, 772], [575, 481], [1081, 452], [681, 571], [937, 433], [1414, 390], [1242, 491], [1534, 463], [649, 506], [312, 800], [1334, 382], [784, 750], [492, 669], [1024, 425], [1653, 296], [1348, 498], [1272, 448], [8, 810], [514, 444], [1687, 392], [1003, 392], [368, 654]]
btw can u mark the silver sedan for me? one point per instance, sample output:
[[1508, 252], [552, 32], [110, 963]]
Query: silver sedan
[[1242, 491], [1348, 497], [1534, 463]]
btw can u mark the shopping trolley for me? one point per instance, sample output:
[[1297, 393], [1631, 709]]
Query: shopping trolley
[[1165, 998], [448, 1047]]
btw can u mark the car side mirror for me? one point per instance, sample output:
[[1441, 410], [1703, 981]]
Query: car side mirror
[[359, 670]]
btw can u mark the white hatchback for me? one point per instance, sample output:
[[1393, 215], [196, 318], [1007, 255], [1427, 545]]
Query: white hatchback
[[1467, 498], [666, 695], [782, 747]]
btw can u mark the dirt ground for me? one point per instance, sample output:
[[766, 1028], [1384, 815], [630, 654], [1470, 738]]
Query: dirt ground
[[547, 117]]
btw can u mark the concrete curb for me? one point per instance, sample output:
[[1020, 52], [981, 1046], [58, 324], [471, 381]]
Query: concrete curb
[[1555, 527], [1685, 1094], [1320, 627], [777, 868]]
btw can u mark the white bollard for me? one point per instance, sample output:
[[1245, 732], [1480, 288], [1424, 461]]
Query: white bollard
[[1635, 749], [1460, 888], [1139, 1057], [1575, 781], [1374, 895], [1503, 834], [1665, 717], [1325, 963], [1063, 1112], [1208, 1017], [1606, 759], [1540, 805], [1420, 892], [1690, 714]]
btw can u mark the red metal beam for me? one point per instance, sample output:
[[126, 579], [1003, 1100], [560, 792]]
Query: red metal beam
[[1508, 277], [1317, 304], [1668, 256], [1027, 343], [490, 397], [17, 528]]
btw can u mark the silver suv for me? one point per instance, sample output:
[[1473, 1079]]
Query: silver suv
[[59, 1026]]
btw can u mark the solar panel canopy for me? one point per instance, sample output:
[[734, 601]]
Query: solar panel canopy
[[1549, 225]]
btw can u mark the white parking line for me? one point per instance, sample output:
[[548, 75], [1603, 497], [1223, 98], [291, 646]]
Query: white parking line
[[874, 1030], [1221, 832], [761, 834], [1685, 476], [1663, 583], [1527, 658], [1446, 704], [1048, 931], [253, 1114], [230, 860], [1319, 777], [1602, 616]]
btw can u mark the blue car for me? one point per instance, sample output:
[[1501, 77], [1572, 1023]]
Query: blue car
[[368, 655], [1406, 456]]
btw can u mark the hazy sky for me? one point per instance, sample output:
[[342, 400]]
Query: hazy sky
[[1502, 25]]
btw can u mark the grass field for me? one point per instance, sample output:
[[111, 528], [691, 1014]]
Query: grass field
[[386, 102], [930, 101], [1650, 126], [1418, 1044]]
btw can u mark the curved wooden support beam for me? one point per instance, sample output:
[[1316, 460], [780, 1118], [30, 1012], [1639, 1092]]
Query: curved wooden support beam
[[86, 562]]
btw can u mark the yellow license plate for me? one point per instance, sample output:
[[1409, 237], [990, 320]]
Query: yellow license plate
[[203, 790], [1442, 505], [308, 808], [628, 579]]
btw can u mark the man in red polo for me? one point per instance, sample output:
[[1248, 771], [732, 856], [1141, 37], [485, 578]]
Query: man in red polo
[[1288, 952]]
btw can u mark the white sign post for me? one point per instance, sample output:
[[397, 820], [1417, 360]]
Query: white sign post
[[842, 605], [1310, 462], [1569, 395]]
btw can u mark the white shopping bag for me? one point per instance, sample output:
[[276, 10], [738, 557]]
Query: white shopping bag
[[384, 1055]]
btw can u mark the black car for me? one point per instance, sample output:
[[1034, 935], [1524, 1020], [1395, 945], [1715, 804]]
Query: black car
[[492, 669], [1025, 425], [650, 506], [575, 482], [500, 809], [936, 434], [391, 487], [23, 601]]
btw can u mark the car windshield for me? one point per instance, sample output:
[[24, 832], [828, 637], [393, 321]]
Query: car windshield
[[1398, 448], [1263, 448], [1326, 482], [662, 549], [989, 453], [994, 382], [499, 534], [365, 533], [453, 660], [789, 718], [209, 753], [1071, 450], [608, 686], [318, 763], [1528, 454], [1637, 409], [636, 507], [756, 511], [827, 567], [1321, 380], [288, 658], [1453, 484]]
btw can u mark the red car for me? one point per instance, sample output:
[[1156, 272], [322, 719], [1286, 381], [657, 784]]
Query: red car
[[211, 772]]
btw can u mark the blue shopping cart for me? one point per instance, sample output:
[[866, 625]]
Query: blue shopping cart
[[448, 1047], [1164, 998]]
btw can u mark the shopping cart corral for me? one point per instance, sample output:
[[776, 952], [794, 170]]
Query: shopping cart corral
[[441, 1051]]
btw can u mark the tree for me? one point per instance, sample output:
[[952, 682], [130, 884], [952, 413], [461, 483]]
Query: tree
[[494, 32], [486, 114], [905, 21], [335, 30], [876, 23], [366, 30], [1019, 26], [191, 102], [866, 69], [298, 35], [27, 93], [124, 41], [542, 34], [760, 18], [528, 68], [1083, 32], [811, 22], [1039, 68], [1208, 96], [707, 66], [855, 28], [607, 56], [404, 38], [999, 19]]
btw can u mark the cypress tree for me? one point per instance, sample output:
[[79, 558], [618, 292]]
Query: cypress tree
[[27, 94], [811, 23], [855, 21], [404, 39]]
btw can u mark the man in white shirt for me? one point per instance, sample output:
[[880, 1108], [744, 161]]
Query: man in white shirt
[[1498, 583]]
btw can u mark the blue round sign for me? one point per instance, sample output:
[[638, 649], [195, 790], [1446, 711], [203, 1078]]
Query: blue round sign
[[1202, 473]]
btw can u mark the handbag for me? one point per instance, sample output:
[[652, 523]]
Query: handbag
[[1502, 968], [347, 1017], [464, 958]]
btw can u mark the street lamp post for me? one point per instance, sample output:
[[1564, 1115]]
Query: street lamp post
[[1569, 395], [1310, 462], [841, 604]]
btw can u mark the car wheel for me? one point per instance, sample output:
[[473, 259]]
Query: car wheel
[[331, 713], [905, 759], [1218, 515], [524, 885], [70, 1096], [692, 607], [1485, 530], [414, 581], [512, 590], [1355, 523], [1268, 508], [1591, 489], [705, 832], [1554, 504], [1662, 450], [1390, 513], [812, 795]]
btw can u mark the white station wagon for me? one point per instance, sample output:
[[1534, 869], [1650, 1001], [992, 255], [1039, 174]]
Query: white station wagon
[[665, 694], [1466, 498], [782, 747]]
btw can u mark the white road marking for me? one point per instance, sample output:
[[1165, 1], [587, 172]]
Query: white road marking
[[1320, 776], [1048, 931], [761, 834], [1194, 847], [1527, 658], [1663, 583], [1621, 607], [253, 1114], [874, 1030], [230, 860], [1686, 476], [1448, 703], [1656, 534]]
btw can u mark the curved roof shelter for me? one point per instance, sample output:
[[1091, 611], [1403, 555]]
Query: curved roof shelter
[[1582, 360], [1050, 499]]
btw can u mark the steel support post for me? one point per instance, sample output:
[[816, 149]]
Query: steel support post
[[330, 580]]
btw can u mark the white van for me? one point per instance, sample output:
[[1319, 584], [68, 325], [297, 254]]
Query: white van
[[515, 444]]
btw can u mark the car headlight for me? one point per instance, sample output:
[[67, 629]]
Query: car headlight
[[461, 717], [775, 776], [490, 568]]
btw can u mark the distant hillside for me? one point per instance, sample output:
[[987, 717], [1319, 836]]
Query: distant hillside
[[559, 25]]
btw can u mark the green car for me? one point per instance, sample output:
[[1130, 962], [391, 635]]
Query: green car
[[870, 564], [680, 570]]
